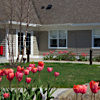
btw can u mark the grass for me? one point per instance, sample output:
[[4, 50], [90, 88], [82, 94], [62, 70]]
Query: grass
[[70, 74]]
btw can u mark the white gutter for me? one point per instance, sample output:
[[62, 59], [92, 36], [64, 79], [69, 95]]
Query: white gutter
[[18, 23], [73, 24], [36, 25]]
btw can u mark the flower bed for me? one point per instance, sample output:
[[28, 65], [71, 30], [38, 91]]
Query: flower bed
[[65, 55], [27, 93]]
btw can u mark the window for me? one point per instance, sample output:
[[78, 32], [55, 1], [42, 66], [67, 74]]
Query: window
[[58, 39], [21, 38], [28, 43], [96, 38], [20, 42]]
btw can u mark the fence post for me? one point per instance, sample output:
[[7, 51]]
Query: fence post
[[90, 57]]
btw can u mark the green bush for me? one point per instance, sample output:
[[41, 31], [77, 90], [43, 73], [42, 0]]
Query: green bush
[[97, 58], [83, 58]]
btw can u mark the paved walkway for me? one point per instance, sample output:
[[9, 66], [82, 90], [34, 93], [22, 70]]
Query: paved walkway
[[80, 62], [59, 92]]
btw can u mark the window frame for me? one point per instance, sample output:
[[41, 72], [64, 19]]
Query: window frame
[[31, 46], [93, 36], [57, 40]]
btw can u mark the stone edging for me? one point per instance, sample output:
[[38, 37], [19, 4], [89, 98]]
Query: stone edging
[[64, 94]]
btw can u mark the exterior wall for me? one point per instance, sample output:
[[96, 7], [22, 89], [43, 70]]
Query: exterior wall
[[78, 41], [14, 42], [3, 40], [35, 43]]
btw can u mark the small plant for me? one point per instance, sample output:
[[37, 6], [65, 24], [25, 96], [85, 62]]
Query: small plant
[[83, 57], [49, 55], [97, 58]]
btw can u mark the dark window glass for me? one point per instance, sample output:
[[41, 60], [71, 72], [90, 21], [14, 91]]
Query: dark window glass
[[20, 42], [62, 42], [53, 42], [96, 42], [28, 43]]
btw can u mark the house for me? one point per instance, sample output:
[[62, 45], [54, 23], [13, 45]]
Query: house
[[72, 25]]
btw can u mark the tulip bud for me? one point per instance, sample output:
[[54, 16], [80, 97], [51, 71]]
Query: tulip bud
[[6, 95], [28, 80]]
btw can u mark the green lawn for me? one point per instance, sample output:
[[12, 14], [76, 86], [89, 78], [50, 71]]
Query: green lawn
[[70, 74]]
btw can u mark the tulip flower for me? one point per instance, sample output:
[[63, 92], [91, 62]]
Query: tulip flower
[[10, 76], [6, 71], [56, 74], [41, 63], [6, 95], [29, 68], [26, 72], [49, 69], [34, 69], [40, 68], [83, 89], [94, 86], [77, 89], [1, 72], [31, 65], [11, 70], [19, 76], [28, 80], [20, 69]]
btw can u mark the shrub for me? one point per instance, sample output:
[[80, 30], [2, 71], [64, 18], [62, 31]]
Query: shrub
[[83, 57], [48, 55], [97, 58]]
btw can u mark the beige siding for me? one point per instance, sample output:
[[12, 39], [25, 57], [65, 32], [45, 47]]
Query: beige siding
[[14, 41], [78, 41], [35, 43]]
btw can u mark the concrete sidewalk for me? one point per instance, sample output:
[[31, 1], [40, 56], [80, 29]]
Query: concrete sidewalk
[[59, 92], [79, 62]]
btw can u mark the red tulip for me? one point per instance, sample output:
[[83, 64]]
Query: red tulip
[[28, 80], [49, 69], [76, 88], [94, 86], [31, 65], [83, 90], [56, 74], [6, 95], [8, 70], [26, 72], [40, 68], [34, 69], [0, 79], [1, 72], [11, 70], [29, 68], [19, 76], [10, 76], [41, 63], [20, 69]]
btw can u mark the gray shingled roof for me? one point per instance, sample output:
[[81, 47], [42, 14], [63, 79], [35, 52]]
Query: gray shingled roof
[[65, 11]]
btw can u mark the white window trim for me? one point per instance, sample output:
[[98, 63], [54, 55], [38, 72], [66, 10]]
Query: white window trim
[[32, 44], [93, 40], [57, 41]]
